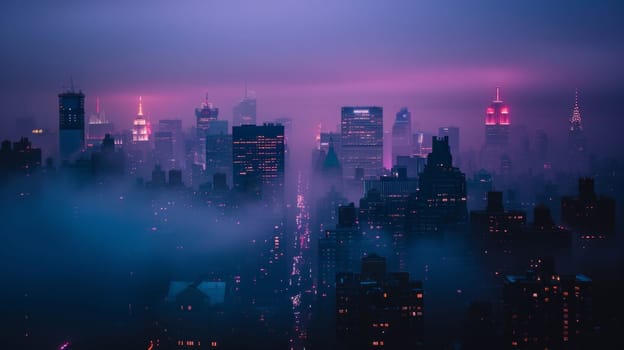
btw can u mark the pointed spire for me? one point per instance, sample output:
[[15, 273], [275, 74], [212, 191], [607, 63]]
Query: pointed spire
[[97, 104], [140, 106], [498, 94], [575, 120]]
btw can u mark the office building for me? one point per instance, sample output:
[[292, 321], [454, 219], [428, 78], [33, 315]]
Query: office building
[[71, 124], [205, 116], [546, 310], [402, 139], [379, 310], [258, 159], [441, 199], [361, 130]]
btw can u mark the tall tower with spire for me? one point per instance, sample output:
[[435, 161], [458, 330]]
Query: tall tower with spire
[[140, 130], [497, 123], [576, 136], [495, 152]]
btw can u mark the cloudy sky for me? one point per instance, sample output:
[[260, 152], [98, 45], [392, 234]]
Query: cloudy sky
[[306, 58]]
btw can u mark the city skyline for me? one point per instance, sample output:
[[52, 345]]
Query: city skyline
[[311, 174], [440, 60]]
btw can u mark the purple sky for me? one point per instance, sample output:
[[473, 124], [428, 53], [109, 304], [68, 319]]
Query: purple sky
[[305, 59]]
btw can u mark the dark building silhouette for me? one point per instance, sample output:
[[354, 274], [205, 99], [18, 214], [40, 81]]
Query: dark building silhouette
[[159, 178], [587, 212], [71, 124], [218, 150], [375, 309], [543, 309], [361, 130], [414, 165], [258, 160], [175, 178], [21, 158], [108, 161], [495, 220], [441, 199], [339, 248]]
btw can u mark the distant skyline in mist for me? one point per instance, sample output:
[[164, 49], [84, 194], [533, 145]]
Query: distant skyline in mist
[[306, 59]]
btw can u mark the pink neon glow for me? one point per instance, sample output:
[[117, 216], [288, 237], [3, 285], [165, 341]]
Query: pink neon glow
[[490, 110], [505, 110], [64, 346]]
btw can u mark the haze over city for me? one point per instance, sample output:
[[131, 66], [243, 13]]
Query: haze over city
[[353, 174]]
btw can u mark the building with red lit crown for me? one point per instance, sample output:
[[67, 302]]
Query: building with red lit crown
[[497, 124]]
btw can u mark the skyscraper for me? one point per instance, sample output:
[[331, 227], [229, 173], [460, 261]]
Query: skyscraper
[[402, 138], [361, 131], [497, 123], [376, 309], [205, 115], [494, 154], [98, 126], [71, 124], [577, 160], [544, 309], [576, 137], [141, 129], [244, 113], [442, 196], [258, 159]]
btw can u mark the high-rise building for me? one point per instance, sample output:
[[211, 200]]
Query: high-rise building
[[21, 158], [497, 123], [588, 213], [379, 310], [163, 149], [442, 195], [141, 128], [361, 131], [98, 126], [71, 124], [205, 116], [258, 159], [545, 310], [219, 150], [577, 160], [244, 112], [402, 138], [174, 126], [576, 136], [453, 135], [494, 154]]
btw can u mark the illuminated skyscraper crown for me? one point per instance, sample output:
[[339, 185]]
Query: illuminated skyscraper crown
[[575, 120], [497, 113]]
